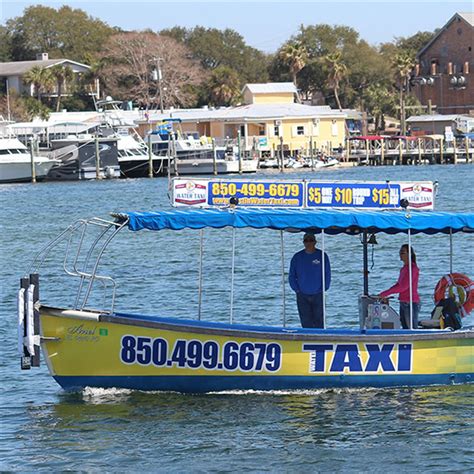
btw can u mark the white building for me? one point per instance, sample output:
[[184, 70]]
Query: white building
[[13, 72]]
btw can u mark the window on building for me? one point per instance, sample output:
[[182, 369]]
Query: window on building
[[300, 130], [276, 130]]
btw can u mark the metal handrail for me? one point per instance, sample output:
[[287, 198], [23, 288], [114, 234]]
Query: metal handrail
[[72, 269], [49, 246], [89, 253], [93, 275]]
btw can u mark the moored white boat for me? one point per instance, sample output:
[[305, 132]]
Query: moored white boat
[[15, 162], [326, 163]]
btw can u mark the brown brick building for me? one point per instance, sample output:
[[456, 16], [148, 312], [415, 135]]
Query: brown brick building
[[445, 70]]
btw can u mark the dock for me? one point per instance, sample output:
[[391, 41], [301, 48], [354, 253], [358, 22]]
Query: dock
[[377, 150]]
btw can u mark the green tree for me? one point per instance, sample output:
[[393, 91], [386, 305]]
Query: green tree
[[363, 64], [403, 63], [63, 75], [35, 109], [41, 78], [380, 100], [223, 86], [293, 55], [214, 48], [5, 45], [178, 33], [337, 71], [413, 44], [65, 32]]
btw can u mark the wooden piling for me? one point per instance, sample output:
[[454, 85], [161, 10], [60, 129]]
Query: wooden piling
[[150, 158], [400, 151], [282, 156], [419, 151], [33, 166], [239, 137], [214, 157], [97, 159]]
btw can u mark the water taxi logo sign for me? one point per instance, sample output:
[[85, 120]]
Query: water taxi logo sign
[[189, 192], [419, 195]]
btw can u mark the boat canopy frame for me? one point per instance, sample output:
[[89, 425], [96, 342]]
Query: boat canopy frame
[[331, 222]]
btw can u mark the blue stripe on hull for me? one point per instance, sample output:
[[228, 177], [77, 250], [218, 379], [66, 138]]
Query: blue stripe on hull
[[200, 384]]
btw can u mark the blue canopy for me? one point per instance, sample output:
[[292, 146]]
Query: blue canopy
[[332, 221]]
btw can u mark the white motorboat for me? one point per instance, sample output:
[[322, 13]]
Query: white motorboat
[[15, 159], [326, 163]]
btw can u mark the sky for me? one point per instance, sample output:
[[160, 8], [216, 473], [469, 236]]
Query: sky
[[265, 25]]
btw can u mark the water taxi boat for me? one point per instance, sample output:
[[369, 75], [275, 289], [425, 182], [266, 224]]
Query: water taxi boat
[[106, 348]]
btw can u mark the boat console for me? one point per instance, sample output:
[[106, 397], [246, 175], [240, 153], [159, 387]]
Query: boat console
[[376, 314]]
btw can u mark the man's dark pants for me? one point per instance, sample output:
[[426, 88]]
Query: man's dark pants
[[310, 309]]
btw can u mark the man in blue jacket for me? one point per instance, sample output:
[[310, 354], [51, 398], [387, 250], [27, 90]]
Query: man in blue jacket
[[306, 280]]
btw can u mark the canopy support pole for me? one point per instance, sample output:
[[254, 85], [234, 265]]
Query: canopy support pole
[[324, 278], [201, 248], [232, 278], [410, 325], [366, 263], [450, 250], [283, 277]]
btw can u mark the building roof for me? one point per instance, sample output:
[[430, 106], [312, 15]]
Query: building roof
[[271, 88], [17, 68], [242, 114], [252, 113], [436, 118], [467, 17]]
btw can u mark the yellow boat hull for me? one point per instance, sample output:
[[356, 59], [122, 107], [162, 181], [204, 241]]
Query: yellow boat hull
[[91, 349]]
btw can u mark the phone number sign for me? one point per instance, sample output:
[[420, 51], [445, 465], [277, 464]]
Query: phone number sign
[[257, 193]]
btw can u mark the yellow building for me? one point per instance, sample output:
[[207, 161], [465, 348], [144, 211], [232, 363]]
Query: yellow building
[[268, 119]]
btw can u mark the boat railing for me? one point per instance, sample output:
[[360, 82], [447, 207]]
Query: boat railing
[[91, 254]]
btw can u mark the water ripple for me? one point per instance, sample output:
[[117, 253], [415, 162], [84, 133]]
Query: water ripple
[[390, 430]]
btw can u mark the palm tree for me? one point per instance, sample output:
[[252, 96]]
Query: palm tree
[[379, 100], [403, 63], [337, 72], [40, 77], [295, 56], [90, 80], [62, 74], [224, 86]]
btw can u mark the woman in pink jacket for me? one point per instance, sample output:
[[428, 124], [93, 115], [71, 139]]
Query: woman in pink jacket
[[403, 288]]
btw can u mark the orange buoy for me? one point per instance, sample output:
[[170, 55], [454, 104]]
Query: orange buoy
[[457, 286]]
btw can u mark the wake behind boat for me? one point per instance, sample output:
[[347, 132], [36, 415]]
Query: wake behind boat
[[107, 348]]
